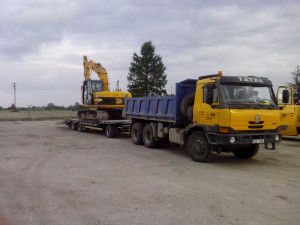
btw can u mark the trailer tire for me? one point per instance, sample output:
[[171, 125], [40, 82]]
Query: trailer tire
[[185, 103], [111, 131], [81, 128], [198, 147], [246, 153], [136, 133], [148, 138], [74, 126]]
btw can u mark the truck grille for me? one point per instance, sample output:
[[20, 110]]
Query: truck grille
[[253, 125]]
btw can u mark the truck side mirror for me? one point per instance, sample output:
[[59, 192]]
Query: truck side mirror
[[285, 96], [209, 96]]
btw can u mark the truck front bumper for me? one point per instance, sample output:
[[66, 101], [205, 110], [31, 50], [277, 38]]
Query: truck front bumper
[[235, 139]]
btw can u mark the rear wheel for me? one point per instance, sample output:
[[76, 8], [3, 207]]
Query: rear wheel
[[198, 147], [74, 126], [246, 153], [136, 133], [111, 131], [148, 139]]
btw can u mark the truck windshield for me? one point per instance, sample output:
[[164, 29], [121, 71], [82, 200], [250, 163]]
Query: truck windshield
[[243, 94]]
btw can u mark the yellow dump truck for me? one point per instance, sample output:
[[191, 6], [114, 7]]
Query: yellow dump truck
[[214, 113]]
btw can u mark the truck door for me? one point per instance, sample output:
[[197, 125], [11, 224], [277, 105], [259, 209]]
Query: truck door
[[207, 114], [287, 114]]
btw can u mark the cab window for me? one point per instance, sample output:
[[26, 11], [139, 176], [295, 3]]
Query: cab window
[[215, 95]]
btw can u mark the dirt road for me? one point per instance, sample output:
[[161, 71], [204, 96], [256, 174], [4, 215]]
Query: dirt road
[[51, 175]]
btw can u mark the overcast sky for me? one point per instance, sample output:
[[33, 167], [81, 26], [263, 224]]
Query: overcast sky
[[42, 42]]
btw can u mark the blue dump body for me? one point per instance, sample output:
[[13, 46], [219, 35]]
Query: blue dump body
[[161, 108]]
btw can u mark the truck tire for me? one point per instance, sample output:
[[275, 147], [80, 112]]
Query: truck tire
[[185, 103], [111, 131], [198, 147], [148, 138], [81, 128], [74, 126], [136, 133], [246, 153]]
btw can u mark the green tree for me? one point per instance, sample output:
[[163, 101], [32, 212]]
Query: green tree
[[295, 84], [146, 75], [50, 106]]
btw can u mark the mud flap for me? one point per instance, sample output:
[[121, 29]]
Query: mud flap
[[272, 147]]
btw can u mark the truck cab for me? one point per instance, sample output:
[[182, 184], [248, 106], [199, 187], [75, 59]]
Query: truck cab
[[236, 113]]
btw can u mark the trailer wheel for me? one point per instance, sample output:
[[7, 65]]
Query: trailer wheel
[[185, 103], [198, 147], [148, 138], [136, 133], [74, 126], [246, 153], [111, 131], [81, 128]]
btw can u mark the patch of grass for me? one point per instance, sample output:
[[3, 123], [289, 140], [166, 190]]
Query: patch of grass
[[37, 114]]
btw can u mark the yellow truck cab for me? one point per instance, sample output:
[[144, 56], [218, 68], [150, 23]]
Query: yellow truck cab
[[236, 113]]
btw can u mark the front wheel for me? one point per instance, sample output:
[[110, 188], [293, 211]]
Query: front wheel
[[198, 147], [246, 153]]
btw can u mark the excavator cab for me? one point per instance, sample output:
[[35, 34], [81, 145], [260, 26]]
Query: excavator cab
[[88, 88]]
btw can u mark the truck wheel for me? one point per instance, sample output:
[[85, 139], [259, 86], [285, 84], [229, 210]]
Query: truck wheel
[[246, 153], [148, 138], [74, 126], [136, 133], [185, 103], [111, 131], [81, 128], [198, 147]]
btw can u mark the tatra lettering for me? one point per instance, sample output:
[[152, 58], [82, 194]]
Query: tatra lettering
[[250, 79]]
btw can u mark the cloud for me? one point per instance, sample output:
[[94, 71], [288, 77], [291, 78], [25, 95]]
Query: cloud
[[42, 42]]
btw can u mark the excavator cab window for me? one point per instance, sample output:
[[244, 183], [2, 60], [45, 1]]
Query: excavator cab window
[[97, 86]]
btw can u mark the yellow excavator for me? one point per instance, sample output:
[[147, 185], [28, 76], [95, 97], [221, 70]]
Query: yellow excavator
[[96, 96]]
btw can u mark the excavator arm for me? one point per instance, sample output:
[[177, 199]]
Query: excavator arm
[[97, 68]]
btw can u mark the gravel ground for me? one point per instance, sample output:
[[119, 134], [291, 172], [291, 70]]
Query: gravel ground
[[51, 175]]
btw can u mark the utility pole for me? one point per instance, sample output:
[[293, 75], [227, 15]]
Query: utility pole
[[15, 101]]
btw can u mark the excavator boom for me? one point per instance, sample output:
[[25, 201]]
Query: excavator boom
[[97, 68]]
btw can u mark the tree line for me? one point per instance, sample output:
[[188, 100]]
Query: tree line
[[50, 106]]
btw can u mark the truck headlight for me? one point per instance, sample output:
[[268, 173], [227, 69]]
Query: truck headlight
[[277, 137], [232, 140]]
